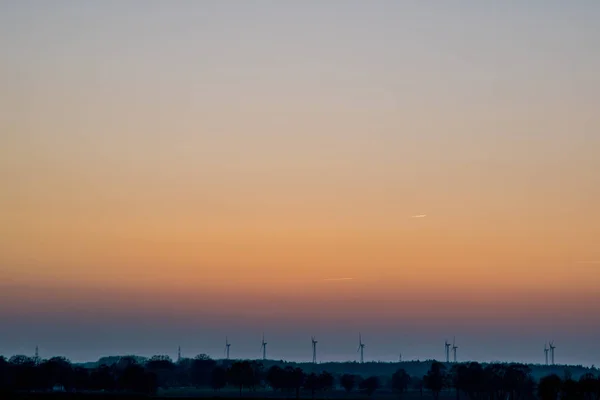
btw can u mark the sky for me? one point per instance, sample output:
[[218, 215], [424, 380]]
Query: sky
[[174, 172]]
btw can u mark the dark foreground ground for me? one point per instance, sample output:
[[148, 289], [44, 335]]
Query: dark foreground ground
[[70, 396], [206, 396]]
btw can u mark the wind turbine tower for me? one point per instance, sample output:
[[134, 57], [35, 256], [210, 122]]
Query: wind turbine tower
[[314, 348], [546, 350], [447, 351], [264, 347], [179, 354], [37, 355], [552, 347], [361, 348], [227, 346], [454, 347]]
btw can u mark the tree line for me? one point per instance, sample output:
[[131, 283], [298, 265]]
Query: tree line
[[508, 382], [468, 381]]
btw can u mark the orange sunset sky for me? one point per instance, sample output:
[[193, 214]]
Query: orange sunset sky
[[227, 162]]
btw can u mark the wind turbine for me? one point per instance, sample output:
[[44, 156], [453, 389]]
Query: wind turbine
[[400, 358], [179, 354], [314, 348], [546, 350], [454, 347], [264, 347], [552, 347], [447, 351], [361, 348], [227, 346]]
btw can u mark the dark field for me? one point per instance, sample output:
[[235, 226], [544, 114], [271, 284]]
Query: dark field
[[206, 395]]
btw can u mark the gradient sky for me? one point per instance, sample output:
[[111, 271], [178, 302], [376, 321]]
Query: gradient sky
[[176, 171]]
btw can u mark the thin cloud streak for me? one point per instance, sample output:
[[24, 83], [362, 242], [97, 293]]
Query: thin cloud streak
[[419, 216]]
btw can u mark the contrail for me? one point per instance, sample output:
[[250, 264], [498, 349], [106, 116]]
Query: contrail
[[419, 216], [338, 279]]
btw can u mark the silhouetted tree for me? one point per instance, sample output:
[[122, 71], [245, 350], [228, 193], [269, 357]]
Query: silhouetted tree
[[494, 381], [125, 362], [458, 378], [571, 389], [400, 381], [590, 386], [508, 381], [57, 371], [201, 370], [348, 382], [370, 385], [135, 379], [19, 360], [315, 383], [549, 387], [289, 378], [312, 383], [160, 362], [4, 376], [164, 369], [24, 374], [218, 378], [295, 379], [471, 379], [102, 378], [182, 372], [275, 378], [257, 374], [326, 380], [241, 374], [517, 382], [435, 378], [80, 379]]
